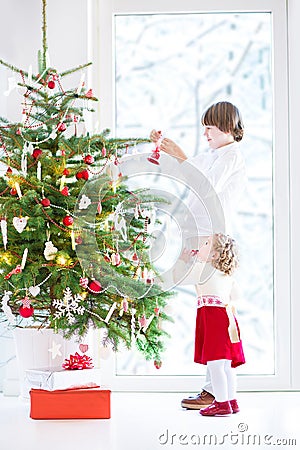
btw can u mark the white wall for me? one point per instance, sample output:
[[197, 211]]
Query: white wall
[[21, 36]]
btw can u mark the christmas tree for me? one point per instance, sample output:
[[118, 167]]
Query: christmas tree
[[75, 239]]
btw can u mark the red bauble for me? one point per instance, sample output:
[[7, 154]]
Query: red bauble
[[66, 172], [89, 159], [51, 84], [26, 312], [13, 191], [68, 221], [45, 202], [85, 175], [36, 153], [95, 287], [157, 364], [62, 127]]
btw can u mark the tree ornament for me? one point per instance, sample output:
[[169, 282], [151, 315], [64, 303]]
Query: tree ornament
[[132, 323], [26, 310], [115, 259], [135, 258], [65, 191], [89, 93], [34, 290], [68, 221], [51, 84], [95, 287], [36, 153], [45, 202], [4, 232], [50, 251], [18, 189], [84, 202], [155, 155], [119, 221], [85, 174], [69, 306], [83, 281], [107, 257], [157, 364], [125, 305], [13, 191], [156, 311], [83, 348], [20, 223], [89, 159], [110, 312], [78, 240], [55, 350], [103, 152], [99, 208], [142, 321], [66, 172], [16, 270], [24, 258], [9, 171], [6, 308], [39, 171], [61, 127], [150, 277]]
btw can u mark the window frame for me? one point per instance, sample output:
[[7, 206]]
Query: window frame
[[101, 76]]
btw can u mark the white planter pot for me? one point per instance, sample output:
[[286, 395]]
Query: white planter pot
[[38, 349]]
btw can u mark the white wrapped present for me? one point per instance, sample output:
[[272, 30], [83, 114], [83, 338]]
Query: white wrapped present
[[55, 378]]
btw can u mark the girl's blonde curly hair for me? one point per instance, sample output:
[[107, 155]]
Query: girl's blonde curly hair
[[227, 254]]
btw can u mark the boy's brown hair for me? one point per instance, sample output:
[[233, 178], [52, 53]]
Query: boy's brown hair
[[226, 117]]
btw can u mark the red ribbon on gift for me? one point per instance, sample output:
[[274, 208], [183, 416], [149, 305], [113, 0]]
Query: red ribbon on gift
[[78, 362]]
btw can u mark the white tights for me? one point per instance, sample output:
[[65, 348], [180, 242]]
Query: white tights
[[223, 379]]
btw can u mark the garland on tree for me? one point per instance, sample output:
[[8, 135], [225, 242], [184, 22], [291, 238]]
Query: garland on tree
[[75, 240]]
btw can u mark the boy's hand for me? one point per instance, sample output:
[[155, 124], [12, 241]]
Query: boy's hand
[[171, 148], [155, 136]]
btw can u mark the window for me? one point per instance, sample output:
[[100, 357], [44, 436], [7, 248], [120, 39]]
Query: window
[[169, 66]]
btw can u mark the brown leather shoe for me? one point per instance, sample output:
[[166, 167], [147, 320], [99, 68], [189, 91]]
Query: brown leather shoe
[[200, 401]]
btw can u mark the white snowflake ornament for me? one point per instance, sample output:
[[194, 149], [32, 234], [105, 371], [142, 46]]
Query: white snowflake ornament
[[69, 306]]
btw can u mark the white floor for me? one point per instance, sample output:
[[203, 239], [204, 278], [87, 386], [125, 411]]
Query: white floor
[[156, 421]]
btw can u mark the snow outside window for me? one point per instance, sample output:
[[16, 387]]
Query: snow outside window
[[169, 69]]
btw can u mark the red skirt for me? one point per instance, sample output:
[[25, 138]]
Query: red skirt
[[212, 339]]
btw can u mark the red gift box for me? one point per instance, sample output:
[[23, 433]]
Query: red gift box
[[91, 403]]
